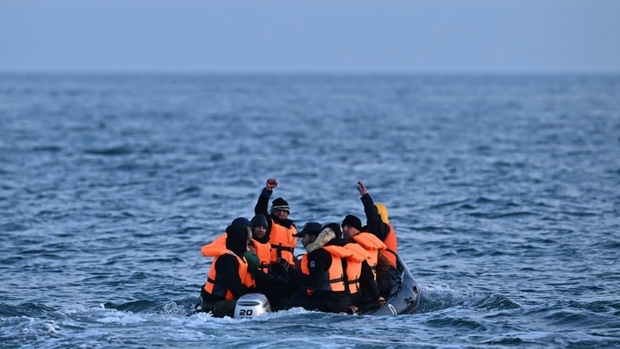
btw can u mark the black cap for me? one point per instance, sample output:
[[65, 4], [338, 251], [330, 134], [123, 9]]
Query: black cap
[[259, 219], [280, 204], [241, 221], [352, 221], [313, 228]]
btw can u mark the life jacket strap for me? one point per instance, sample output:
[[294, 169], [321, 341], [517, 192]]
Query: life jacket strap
[[283, 248], [354, 281], [340, 279]]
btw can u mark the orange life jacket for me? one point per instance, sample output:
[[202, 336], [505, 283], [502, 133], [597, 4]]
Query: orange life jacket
[[263, 251], [208, 250], [334, 277], [373, 245], [392, 246], [282, 242], [216, 249], [354, 265]]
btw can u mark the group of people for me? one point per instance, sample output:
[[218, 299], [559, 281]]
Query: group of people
[[347, 267]]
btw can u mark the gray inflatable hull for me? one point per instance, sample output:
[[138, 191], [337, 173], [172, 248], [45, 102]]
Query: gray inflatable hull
[[404, 297]]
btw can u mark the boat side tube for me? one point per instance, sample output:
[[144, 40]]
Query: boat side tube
[[404, 297]]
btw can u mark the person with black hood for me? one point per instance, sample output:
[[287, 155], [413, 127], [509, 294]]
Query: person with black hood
[[274, 284], [320, 273], [260, 241], [281, 231], [251, 256], [229, 277]]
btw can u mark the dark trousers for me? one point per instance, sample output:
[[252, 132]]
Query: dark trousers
[[221, 308], [332, 303], [217, 308], [386, 281]]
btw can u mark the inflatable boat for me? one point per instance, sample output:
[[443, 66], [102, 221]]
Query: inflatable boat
[[404, 299]]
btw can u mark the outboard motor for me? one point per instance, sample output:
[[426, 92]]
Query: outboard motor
[[252, 305]]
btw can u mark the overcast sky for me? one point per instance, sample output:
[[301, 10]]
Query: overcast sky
[[433, 36]]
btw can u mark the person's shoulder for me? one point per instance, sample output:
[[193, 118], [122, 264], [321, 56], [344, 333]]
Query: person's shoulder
[[227, 259], [319, 253]]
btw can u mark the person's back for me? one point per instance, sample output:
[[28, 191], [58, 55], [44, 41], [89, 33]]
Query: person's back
[[229, 277]]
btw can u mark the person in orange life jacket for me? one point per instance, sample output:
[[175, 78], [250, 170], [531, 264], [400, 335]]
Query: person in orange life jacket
[[321, 273], [258, 254], [368, 291], [229, 277], [281, 230], [274, 286], [378, 224], [260, 241], [353, 231]]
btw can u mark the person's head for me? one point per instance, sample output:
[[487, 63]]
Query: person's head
[[337, 232], [259, 226], [351, 226], [241, 221], [237, 238], [309, 232], [280, 208]]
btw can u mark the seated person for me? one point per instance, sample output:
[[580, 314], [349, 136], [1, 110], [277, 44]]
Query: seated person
[[229, 277]]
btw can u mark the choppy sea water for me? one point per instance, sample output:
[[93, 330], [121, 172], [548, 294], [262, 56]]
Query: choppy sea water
[[504, 191]]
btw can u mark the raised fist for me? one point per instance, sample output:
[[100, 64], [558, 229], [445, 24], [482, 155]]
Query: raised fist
[[271, 183]]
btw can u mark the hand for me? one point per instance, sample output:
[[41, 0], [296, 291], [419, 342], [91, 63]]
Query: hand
[[361, 188], [381, 300], [284, 264], [271, 183], [353, 309]]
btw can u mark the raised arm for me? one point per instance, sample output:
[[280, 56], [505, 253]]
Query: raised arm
[[262, 204], [375, 224]]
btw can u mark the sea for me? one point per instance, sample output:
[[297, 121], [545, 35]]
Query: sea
[[504, 191]]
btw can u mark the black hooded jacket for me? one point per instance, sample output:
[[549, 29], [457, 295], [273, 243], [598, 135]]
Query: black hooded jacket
[[260, 220], [227, 266], [375, 224]]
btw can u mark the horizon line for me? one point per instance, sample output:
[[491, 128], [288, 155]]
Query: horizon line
[[302, 72]]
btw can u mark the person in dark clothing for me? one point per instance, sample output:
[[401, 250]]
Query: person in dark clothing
[[259, 228], [275, 285], [378, 224], [321, 273], [229, 277], [280, 229]]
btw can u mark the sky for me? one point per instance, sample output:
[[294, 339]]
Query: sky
[[280, 36]]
